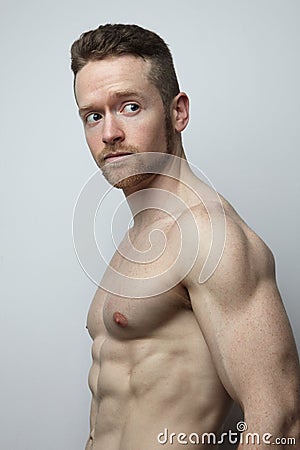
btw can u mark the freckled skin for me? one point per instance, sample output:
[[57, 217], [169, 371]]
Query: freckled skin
[[177, 359]]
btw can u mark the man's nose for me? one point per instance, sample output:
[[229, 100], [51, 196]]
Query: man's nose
[[112, 131]]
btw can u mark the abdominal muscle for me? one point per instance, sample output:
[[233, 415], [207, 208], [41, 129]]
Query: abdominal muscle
[[143, 387]]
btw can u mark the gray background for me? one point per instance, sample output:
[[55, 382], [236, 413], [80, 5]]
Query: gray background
[[239, 62]]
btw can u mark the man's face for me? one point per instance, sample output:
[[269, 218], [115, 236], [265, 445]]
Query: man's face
[[123, 114]]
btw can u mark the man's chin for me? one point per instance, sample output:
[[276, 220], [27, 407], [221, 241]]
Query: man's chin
[[134, 169], [126, 182]]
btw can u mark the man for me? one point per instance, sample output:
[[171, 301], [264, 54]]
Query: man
[[184, 320]]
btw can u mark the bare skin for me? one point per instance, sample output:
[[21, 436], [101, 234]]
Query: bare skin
[[175, 360]]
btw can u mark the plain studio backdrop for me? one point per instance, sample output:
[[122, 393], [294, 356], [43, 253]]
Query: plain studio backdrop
[[239, 63]]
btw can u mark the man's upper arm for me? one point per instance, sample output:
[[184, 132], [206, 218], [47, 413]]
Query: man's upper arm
[[241, 316]]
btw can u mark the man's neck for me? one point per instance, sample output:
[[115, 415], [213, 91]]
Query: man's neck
[[160, 193]]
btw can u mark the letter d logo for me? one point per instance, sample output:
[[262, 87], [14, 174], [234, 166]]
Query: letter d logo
[[162, 438]]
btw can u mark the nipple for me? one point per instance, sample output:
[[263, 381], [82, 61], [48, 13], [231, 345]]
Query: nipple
[[120, 319]]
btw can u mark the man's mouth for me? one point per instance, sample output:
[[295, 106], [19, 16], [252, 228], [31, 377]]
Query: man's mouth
[[111, 157]]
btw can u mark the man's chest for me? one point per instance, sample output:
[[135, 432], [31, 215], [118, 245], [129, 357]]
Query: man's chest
[[147, 263], [141, 289]]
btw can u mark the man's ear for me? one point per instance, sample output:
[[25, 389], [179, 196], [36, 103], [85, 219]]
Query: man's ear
[[180, 111]]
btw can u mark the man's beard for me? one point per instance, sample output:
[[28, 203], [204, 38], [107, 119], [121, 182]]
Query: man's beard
[[133, 170], [125, 173]]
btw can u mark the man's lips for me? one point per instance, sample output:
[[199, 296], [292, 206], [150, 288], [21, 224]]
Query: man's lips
[[116, 156]]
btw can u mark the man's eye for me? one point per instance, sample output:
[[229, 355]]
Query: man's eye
[[131, 107], [93, 118]]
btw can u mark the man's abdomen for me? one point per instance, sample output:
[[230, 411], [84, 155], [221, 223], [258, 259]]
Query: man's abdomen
[[147, 386]]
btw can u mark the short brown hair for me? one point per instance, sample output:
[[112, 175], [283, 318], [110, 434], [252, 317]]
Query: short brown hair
[[119, 39]]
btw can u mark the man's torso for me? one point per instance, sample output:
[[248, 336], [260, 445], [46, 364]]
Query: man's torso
[[152, 374]]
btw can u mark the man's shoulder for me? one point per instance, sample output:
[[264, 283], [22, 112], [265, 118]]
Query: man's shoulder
[[227, 248]]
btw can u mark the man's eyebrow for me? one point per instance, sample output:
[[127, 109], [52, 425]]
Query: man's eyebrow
[[114, 95], [128, 93], [84, 109]]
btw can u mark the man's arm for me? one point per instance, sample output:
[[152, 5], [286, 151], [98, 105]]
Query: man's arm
[[242, 318]]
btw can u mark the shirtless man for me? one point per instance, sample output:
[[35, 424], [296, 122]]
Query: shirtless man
[[171, 351]]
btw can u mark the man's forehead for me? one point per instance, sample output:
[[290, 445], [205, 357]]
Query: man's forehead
[[116, 75], [127, 66]]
